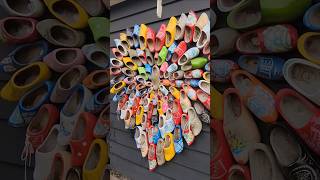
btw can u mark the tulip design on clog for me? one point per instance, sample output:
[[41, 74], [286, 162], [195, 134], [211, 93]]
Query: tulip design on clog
[[239, 127]]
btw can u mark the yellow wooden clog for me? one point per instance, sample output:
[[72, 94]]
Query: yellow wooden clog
[[169, 151], [124, 40], [308, 46], [25, 79], [130, 64], [117, 87], [69, 12], [159, 107], [96, 160], [216, 104], [139, 115], [143, 37], [175, 92], [171, 31]]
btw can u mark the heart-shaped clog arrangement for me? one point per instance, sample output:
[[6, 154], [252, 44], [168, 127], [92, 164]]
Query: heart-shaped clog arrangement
[[161, 84]]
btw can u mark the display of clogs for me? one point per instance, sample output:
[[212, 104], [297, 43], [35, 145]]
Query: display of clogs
[[162, 75], [269, 88], [59, 77]]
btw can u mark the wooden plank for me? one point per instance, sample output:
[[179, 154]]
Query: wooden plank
[[150, 16], [171, 169], [155, 25], [125, 137], [133, 170], [121, 10], [186, 158]]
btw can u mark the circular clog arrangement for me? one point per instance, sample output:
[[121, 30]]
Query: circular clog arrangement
[[265, 93], [161, 82], [59, 77]]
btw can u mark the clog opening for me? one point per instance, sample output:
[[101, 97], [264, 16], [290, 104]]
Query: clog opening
[[79, 129], [28, 54], [312, 46], [18, 28], [34, 97], [66, 56], [306, 77], [20, 6], [101, 77], [27, 76], [67, 11], [94, 158], [100, 58], [70, 79], [260, 164], [63, 35], [39, 122], [295, 111]]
